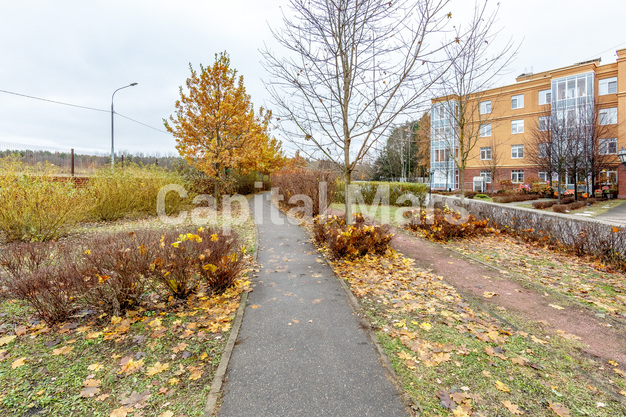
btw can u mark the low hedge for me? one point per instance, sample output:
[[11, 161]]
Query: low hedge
[[403, 194]]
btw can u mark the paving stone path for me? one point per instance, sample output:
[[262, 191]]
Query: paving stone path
[[301, 350]]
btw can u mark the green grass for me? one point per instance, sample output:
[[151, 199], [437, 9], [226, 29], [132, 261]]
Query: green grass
[[51, 384], [441, 344]]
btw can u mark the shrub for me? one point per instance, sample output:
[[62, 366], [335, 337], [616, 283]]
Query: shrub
[[116, 268], [36, 204], [292, 184], [576, 205], [567, 200], [48, 284], [132, 190], [209, 255], [543, 204], [560, 208], [481, 196], [356, 240], [415, 192], [111, 272], [443, 224], [511, 198]]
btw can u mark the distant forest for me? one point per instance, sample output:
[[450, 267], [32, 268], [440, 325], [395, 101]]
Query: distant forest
[[83, 163]]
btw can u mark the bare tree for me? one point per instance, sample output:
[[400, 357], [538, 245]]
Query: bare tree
[[475, 65], [352, 67], [492, 164]]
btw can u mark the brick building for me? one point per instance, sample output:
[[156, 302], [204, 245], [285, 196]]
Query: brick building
[[508, 118]]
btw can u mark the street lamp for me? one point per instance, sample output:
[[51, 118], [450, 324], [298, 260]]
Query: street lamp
[[622, 155], [112, 129]]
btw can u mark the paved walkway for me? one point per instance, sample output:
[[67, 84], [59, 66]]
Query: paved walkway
[[615, 215], [301, 349]]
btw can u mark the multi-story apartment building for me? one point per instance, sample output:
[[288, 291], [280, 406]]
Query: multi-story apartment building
[[507, 121]]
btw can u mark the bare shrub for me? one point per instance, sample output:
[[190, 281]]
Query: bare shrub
[[543, 204], [356, 240], [305, 182], [45, 275]]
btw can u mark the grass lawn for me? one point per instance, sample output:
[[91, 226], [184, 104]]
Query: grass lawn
[[454, 360], [156, 360]]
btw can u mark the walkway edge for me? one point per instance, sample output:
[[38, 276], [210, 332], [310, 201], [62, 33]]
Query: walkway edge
[[218, 378], [382, 356]]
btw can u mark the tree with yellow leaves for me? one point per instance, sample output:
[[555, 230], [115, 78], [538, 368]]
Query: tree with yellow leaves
[[216, 128]]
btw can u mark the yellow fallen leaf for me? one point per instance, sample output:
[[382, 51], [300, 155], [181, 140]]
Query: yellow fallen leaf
[[166, 414], [6, 340], [157, 368], [500, 386], [513, 408], [254, 306], [174, 381], [94, 335], [18, 362], [63, 350], [155, 323], [559, 410], [489, 294], [426, 326], [121, 412], [179, 347], [195, 374], [95, 367], [556, 306], [91, 383]]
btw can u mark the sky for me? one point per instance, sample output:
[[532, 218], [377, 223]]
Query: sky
[[79, 52]]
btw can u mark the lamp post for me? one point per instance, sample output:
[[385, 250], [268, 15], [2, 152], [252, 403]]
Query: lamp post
[[112, 116], [622, 155]]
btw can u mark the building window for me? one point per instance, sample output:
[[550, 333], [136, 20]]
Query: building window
[[544, 122], [486, 175], [485, 107], [517, 151], [608, 146], [485, 153], [517, 102], [607, 86], [543, 176], [545, 97], [517, 175], [608, 177], [485, 130], [608, 116], [517, 126], [543, 149]]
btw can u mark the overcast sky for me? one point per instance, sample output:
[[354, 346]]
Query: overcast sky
[[79, 52]]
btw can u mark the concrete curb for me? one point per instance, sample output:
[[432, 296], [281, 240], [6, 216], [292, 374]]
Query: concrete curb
[[218, 378]]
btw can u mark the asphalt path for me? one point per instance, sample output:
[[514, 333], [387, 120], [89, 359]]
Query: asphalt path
[[301, 350]]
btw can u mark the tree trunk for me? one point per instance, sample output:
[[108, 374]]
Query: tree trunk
[[462, 185], [348, 196]]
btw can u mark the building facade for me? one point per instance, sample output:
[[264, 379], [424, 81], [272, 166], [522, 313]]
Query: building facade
[[509, 123]]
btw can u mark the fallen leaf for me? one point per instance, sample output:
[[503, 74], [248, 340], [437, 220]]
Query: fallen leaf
[[18, 362], [136, 398], [63, 350], [89, 392], [500, 386], [195, 374], [91, 383], [513, 408], [426, 326], [102, 397], [121, 412], [556, 306], [95, 367], [157, 368], [166, 414], [180, 347], [559, 410], [254, 306], [6, 340], [489, 294]]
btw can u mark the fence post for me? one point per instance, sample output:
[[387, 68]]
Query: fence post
[[72, 162], [122, 160]]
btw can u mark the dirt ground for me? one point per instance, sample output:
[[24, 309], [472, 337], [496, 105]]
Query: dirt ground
[[604, 338]]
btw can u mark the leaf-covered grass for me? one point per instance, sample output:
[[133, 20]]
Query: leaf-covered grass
[[453, 359], [155, 360], [582, 279]]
